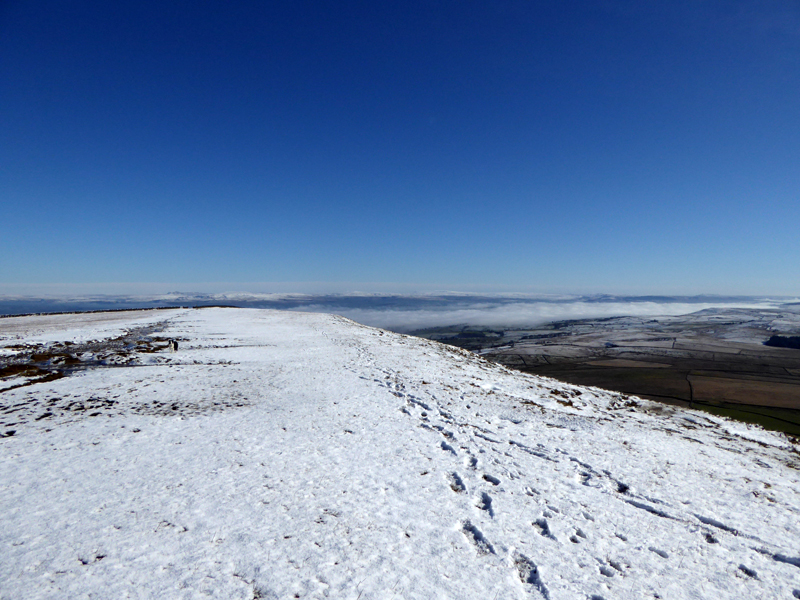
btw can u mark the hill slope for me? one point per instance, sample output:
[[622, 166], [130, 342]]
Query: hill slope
[[295, 455]]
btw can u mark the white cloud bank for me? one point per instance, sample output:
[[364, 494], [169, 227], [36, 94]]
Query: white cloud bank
[[522, 314]]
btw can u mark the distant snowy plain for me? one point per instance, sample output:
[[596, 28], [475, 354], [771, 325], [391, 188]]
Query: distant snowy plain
[[298, 455]]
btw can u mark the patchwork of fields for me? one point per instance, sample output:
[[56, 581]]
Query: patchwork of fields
[[713, 359]]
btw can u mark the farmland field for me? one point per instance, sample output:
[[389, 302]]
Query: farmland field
[[714, 360]]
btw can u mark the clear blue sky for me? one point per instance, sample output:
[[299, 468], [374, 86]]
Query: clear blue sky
[[604, 146]]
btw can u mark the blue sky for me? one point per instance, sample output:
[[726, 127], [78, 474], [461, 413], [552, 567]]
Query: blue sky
[[618, 147]]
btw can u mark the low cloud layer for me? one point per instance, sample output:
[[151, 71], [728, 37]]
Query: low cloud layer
[[521, 314]]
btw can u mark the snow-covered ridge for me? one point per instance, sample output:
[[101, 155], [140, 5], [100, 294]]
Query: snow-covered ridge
[[297, 455]]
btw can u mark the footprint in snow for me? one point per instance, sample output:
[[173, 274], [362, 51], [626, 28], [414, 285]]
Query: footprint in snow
[[491, 479], [618, 566], [544, 529], [456, 483], [529, 574], [448, 448], [484, 502], [474, 535], [578, 534], [447, 434], [749, 572]]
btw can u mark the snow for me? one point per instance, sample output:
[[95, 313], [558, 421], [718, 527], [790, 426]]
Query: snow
[[298, 455], [76, 327]]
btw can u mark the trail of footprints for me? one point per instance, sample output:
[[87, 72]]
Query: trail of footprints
[[526, 569], [585, 474]]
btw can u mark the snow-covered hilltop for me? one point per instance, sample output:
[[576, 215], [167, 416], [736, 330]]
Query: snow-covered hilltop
[[296, 455]]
